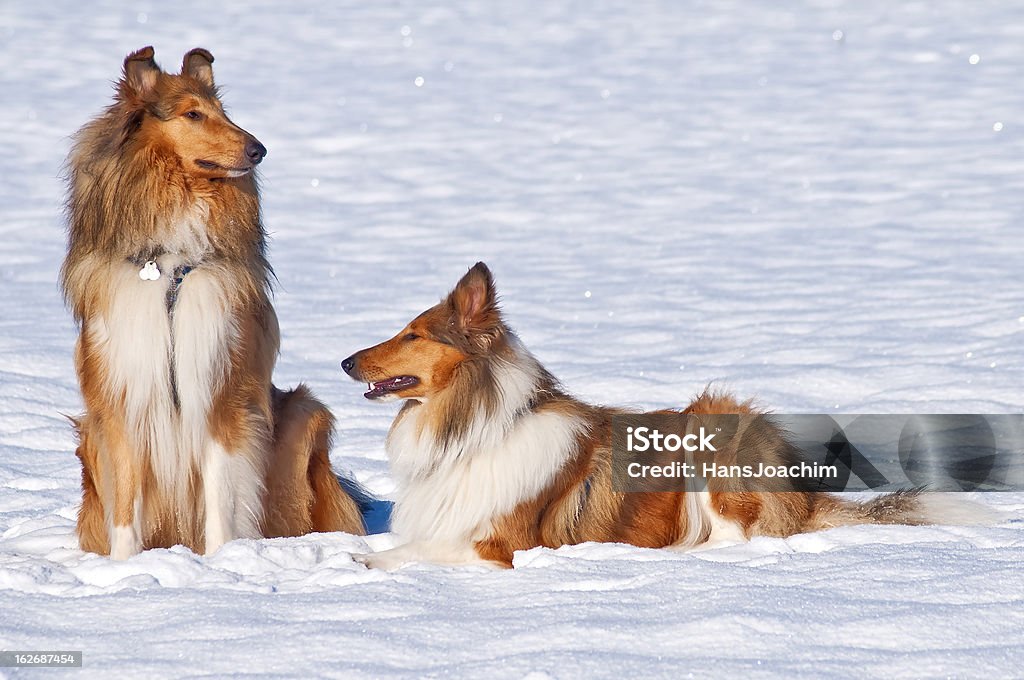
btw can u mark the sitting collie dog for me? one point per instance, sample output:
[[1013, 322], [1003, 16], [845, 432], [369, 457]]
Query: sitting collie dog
[[491, 456], [184, 440]]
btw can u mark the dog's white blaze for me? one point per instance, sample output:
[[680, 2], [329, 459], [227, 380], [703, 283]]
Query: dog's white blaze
[[453, 494]]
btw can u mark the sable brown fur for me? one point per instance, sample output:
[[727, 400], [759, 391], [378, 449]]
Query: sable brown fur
[[164, 175], [451, 365], [303, 494]]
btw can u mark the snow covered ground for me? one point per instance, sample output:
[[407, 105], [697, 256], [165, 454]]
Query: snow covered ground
[[814, 203]]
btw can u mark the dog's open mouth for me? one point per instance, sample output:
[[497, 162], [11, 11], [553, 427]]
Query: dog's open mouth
[[396, 384], [229, 172]]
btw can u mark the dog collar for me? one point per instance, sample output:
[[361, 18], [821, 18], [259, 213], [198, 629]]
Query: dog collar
[[149, 270], [177, 276]]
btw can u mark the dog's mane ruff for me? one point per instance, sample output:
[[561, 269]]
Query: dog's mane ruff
[[131, 199], [496, 439]]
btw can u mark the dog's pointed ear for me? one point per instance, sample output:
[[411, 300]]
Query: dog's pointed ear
[[475, 300], [141, 71], [198, 63]]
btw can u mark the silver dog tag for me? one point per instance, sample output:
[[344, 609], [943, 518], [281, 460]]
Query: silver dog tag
[[149, 271]]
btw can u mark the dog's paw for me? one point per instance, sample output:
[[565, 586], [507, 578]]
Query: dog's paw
[[362, 558], [388, 560]]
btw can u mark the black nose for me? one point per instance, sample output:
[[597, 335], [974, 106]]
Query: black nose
[[255, 151], [348, 365]]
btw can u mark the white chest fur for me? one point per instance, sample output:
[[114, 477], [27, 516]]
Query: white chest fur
[[168, 366], [506, 458]]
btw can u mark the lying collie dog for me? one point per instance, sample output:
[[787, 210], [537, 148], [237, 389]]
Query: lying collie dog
[[491, 456], [184, 439]]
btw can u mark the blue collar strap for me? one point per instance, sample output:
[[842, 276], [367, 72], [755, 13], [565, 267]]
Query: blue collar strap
[[177, 276]]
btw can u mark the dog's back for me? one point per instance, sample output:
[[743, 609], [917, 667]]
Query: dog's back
[[491, 456]]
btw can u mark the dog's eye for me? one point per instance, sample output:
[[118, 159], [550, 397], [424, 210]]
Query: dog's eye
[[193, 115], [411, 336]]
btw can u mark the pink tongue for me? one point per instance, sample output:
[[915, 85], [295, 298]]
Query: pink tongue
[[391, 385], [376, 389]]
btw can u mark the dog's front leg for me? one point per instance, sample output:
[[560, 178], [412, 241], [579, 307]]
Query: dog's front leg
[[232, 493], [450, 554], [125, 520]]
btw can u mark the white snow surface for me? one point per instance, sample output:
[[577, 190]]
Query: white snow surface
[[817, 204]]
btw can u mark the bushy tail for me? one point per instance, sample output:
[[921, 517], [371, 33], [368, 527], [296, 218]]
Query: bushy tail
[[303, 493], [901, 507]]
